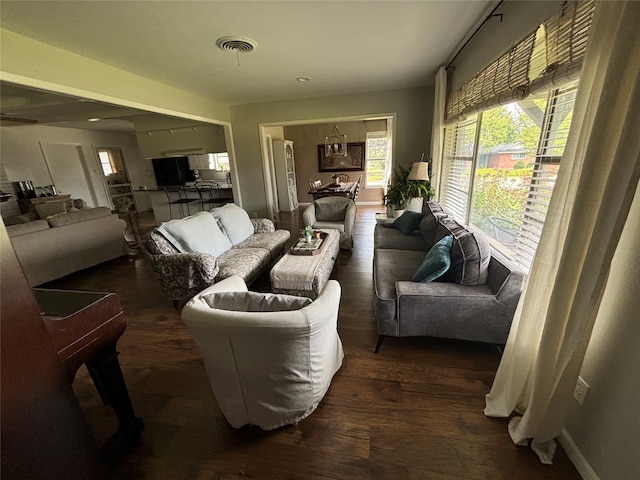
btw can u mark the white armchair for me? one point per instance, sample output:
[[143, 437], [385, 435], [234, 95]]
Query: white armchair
[[270, 358], [338, 213]]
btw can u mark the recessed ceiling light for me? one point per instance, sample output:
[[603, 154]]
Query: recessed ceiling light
[[303, 79], [94, 119]]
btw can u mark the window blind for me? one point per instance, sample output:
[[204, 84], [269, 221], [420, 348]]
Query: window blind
[[553, 139], [457, 167], [552, 55]]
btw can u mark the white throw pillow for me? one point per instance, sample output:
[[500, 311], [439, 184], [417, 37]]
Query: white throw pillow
[[235, 222], [198, 233]]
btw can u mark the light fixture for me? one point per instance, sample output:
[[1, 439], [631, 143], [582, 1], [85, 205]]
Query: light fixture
[[419, 170], [335, 144], [96, 119], [303, 79]]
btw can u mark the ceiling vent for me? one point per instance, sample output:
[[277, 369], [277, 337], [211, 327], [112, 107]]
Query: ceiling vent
[[236, 44]]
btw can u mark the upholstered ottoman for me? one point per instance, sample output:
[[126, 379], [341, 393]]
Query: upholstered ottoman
[[306, 275]]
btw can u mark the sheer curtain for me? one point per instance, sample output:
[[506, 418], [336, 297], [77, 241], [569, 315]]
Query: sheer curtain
[[437, 129], [595, 186]]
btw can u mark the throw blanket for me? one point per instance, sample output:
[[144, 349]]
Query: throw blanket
[[198, 233]]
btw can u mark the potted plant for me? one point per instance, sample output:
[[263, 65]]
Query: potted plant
[[402, 190], [122, 204], [306, 232]]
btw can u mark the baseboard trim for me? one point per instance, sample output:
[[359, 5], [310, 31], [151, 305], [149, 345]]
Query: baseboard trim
[[575, 455]]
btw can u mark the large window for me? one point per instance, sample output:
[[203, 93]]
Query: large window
[[377, 149], [500, 167]]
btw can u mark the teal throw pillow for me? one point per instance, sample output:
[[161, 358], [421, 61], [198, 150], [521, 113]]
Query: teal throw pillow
[[407, 222], [436, 262]]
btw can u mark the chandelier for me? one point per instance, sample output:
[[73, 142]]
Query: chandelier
[[335, 144]]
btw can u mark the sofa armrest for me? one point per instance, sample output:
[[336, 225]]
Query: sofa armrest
[[263, 225], [350, 217], [451, 310], [184, 270], [309, 215]]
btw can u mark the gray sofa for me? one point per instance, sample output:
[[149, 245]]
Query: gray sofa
[[66, 243], [232, 244], [474, 300]]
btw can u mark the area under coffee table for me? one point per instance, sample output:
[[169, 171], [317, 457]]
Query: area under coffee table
[[306, 275]]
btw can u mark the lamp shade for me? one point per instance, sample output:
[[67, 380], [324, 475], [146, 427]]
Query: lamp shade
[[419, 171]]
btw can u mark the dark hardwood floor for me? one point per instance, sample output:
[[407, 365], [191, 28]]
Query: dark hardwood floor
[[413, 411]]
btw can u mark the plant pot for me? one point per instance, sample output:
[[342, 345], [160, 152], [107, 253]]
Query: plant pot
[[307, 238], [415, 204], [394, 212]]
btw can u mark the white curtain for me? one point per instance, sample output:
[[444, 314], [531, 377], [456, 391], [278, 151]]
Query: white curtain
[[388, 166], [596, 183], [437, 128]]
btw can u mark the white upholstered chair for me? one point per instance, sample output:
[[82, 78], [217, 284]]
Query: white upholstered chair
[[269, 358], [338, 213]]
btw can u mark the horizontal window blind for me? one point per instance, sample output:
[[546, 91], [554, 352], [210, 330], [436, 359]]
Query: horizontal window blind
[[552, 55], [457, 167], [553, 139]]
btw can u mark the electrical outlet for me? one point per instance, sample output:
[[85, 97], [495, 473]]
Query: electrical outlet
[[580, 393]]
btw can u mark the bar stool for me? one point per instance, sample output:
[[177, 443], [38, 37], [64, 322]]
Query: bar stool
[[178, 196], [210, 195]]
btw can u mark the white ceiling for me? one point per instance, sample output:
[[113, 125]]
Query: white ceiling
[[343, 46]]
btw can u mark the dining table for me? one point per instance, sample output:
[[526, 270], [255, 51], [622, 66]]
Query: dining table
[[344, 189]]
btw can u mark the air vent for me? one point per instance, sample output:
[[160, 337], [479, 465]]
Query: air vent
[[236, 44]]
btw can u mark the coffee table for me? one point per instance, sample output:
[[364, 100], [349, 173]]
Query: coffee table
[[306, 275]]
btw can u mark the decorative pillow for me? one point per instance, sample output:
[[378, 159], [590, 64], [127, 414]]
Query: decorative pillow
[[436, 262], [78, 216], [407, 222], [255, 302], [234, 221], [198, 233], [470, 253], [49, 209], [331, 211]]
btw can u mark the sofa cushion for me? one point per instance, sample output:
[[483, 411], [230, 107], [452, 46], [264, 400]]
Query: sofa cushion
[[24, 228], [392, 238], [83, 215], [331, 211], [234, 221], [198, 233], [23, 218], [470, 253], [255, 302], [436, 262], [48, 209], [407, 222]]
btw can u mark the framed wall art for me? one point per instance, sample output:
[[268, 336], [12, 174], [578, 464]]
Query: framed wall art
[[354, 160]]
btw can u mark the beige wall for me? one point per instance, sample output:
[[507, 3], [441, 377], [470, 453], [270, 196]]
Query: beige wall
[[413, 109], [22, 157], [306, 139], [606, 428], [159, 142]]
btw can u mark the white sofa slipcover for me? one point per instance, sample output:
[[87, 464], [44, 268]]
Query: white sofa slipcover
[[267, 368]]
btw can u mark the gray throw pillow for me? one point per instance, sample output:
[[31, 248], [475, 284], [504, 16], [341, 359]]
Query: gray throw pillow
[[49, 209], [470, 253], [331, 212], [255, 302]]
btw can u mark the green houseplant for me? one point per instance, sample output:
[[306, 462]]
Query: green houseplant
[[122, 204], [402, 190], [306, 232]]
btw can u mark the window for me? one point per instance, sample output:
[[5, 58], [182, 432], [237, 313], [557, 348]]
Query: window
[[500, 167], [105, 162], [377, 149], [218, 161]]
